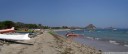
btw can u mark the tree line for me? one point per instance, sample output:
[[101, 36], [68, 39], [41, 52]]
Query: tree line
[[17, 25], [8, 24]]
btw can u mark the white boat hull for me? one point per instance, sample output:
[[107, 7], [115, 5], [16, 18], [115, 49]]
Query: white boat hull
[[14, 36]]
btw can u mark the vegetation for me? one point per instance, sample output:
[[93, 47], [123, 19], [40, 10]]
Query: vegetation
[[7, 24], [17, 25], [21, 25]]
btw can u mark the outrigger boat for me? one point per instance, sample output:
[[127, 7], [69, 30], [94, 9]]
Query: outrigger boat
[[7, 30], [72, 34], [4, 34], [14, 36]]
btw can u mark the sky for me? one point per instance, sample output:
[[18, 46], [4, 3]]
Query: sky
[[101, 13]]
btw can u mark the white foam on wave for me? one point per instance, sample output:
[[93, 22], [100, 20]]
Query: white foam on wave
[[126, 45], [114, 52], [113, 42], [97, 38], [90, 38]]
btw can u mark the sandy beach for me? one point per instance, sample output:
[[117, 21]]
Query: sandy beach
[[46, 44]]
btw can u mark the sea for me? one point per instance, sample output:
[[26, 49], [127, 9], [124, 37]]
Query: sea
[[108, 40]]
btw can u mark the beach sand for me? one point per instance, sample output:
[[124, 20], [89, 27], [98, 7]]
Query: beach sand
[[46, 44]]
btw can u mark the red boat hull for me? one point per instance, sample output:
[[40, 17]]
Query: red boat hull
[[7, 30], [73, 35]]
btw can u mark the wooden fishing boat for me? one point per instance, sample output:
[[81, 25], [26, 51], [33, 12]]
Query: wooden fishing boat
[[7, 30], [14, 36], [72, 35]]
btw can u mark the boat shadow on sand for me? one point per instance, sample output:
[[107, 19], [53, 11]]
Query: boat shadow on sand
[[13, 42]]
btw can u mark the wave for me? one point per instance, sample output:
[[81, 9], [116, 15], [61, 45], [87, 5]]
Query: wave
[[126, 45], [90, 38], [97, 38], [101, 36], [113, 42]]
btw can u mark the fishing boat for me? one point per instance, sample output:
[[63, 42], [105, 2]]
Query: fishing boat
[[72, 34], [7, 30], [14, 36]]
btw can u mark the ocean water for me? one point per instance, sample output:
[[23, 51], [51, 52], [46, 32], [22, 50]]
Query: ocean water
[[117, 40], [119, 35]]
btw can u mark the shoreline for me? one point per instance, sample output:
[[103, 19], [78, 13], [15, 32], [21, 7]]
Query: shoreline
[[105, 46], [47, 44]]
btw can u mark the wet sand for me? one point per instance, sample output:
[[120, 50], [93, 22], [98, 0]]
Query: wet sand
[[47, 44], [102, 45]]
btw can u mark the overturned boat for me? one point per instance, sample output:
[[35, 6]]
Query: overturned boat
[[7, 30], [14, 36], [72, 34]]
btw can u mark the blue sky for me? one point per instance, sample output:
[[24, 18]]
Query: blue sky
[[101, 13]]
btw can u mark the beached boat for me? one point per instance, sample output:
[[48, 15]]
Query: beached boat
[[7, 30], [14, 36], [72, 34]]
